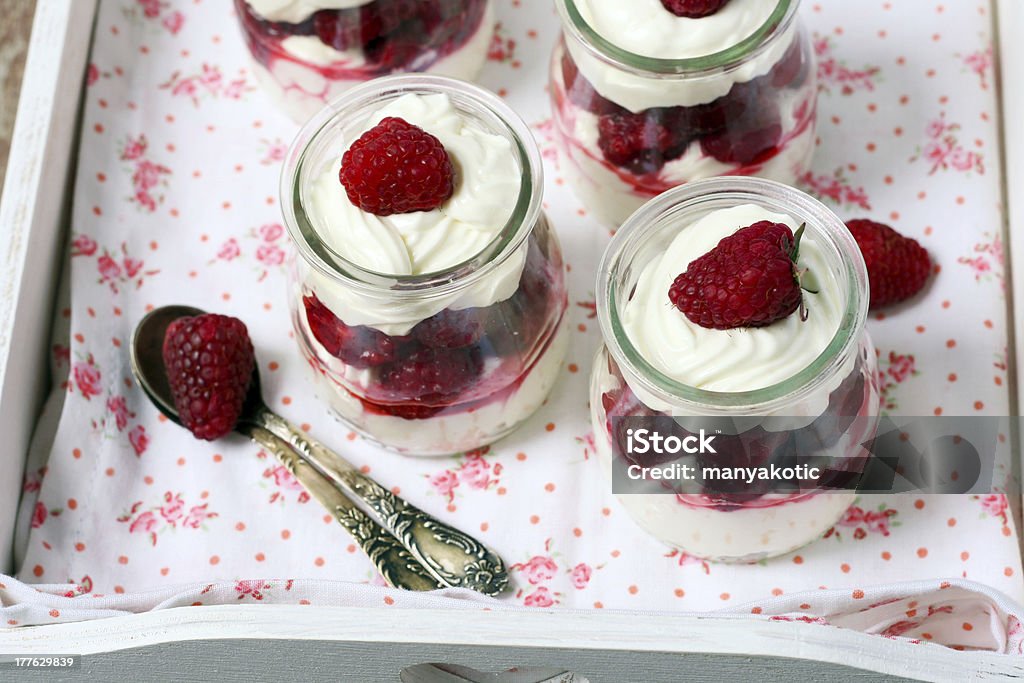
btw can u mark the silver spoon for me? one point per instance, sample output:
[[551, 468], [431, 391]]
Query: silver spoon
[[410, 548]]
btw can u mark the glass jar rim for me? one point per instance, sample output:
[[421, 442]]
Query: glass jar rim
[[332, 265], [768, 399], [776, 24]]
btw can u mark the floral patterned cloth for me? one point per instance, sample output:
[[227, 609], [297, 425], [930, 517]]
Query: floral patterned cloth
[[176, 202]]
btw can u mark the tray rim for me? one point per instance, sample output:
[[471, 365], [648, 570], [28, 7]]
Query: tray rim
[[41, 154], [516, 630], [32, 226]]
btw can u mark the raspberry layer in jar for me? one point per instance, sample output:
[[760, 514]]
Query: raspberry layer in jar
[[644, 100], [431, 332], [307, 52], [802, 388]]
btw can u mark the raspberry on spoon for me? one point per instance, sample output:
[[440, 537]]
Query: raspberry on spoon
[[693, 9], [209, 361], [749, 279], [396, 167]]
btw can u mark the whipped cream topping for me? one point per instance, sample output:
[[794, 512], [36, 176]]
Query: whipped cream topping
[[735, 360], [297, 11], [646, 28], [487, 187]]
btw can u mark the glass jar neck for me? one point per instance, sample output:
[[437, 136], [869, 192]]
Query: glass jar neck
[[624, 261], [320, 141], [773, 29]]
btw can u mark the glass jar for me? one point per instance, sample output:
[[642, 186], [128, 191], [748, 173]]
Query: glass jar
[[633, 126], [441, 362], [820, 410], [306, 53]]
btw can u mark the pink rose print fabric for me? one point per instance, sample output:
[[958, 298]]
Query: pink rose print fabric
[[176, 202]]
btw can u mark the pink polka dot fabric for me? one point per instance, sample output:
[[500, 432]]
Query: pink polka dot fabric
[[176, 202]]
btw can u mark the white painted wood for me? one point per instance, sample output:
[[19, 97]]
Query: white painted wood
[[315, 661], [1010, 25], [32, 228], [519, 630]]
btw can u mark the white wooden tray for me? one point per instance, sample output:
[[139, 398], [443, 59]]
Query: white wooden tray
[[365, 644]]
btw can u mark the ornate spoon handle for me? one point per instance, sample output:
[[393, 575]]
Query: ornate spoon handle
[[394, 562], [452, 557]]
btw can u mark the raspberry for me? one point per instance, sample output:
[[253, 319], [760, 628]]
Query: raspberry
[[791, 70], [748, 280], [752, 138], [392, 52], [639, 142], [582, 93], [396, 167], [393, 33], [622, 402], [406, 411], [339, 29], [898, 266], [693, 9], [514, 325], [430, 375], [358, 346], [450, 329], [844, 405], [537, 281], [714, 117], [209, 362], [381, 18], [754, 447]]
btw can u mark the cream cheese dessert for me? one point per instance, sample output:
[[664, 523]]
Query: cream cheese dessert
[[307, 52], [441, 328], [741, 359], [747, 312], [645, 100]]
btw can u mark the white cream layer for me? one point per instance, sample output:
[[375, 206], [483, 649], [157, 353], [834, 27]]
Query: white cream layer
[[735, 360], [297, 11]]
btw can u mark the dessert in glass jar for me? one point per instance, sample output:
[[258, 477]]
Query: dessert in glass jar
[[429, 292], [651, 94], [715, 305], [307, 52]]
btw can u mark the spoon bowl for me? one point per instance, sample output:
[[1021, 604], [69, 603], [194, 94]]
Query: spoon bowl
[[147, 357]]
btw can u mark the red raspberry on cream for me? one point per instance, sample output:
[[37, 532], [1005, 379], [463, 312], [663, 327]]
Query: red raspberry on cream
[[396, 167]]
